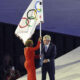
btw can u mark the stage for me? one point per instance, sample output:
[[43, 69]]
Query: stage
[[67, 67]]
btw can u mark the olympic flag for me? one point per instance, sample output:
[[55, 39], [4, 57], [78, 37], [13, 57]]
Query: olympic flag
[[30, 19]]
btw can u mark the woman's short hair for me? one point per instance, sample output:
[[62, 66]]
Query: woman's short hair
[[28, 43], [47, 37]]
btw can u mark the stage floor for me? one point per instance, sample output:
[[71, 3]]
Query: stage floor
[[67, 67]]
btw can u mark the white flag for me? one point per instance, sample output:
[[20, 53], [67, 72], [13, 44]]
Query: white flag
[[30, 19]]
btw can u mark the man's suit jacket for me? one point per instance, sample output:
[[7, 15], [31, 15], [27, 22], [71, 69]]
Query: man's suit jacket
[[51, 52]]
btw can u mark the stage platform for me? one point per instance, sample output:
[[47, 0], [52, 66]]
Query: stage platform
[[67, 67]]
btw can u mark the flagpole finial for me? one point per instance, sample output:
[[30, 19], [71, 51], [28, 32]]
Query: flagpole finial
[[40, 3]]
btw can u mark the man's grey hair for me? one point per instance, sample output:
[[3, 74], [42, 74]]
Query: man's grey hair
[[47, 37]]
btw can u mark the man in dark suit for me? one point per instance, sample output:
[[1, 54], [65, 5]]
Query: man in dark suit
[[49, 53]]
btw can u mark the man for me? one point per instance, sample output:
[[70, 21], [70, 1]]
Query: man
[[49, 53]]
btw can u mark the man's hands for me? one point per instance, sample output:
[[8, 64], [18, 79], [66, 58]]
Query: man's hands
[[46, 60]]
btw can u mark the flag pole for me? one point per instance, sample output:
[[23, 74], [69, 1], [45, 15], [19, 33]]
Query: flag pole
[[40, 36], [40, 29]]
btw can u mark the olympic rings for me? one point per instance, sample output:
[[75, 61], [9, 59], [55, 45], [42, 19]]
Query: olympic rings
[[27, 23], [31, 17], [31, 14]]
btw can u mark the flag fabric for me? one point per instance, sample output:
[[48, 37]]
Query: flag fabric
[[30, 19]]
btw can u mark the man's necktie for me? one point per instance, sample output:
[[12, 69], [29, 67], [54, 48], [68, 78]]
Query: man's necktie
[[45, 48]]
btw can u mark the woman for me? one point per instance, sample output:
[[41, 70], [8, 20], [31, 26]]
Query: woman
[[29, 53]]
